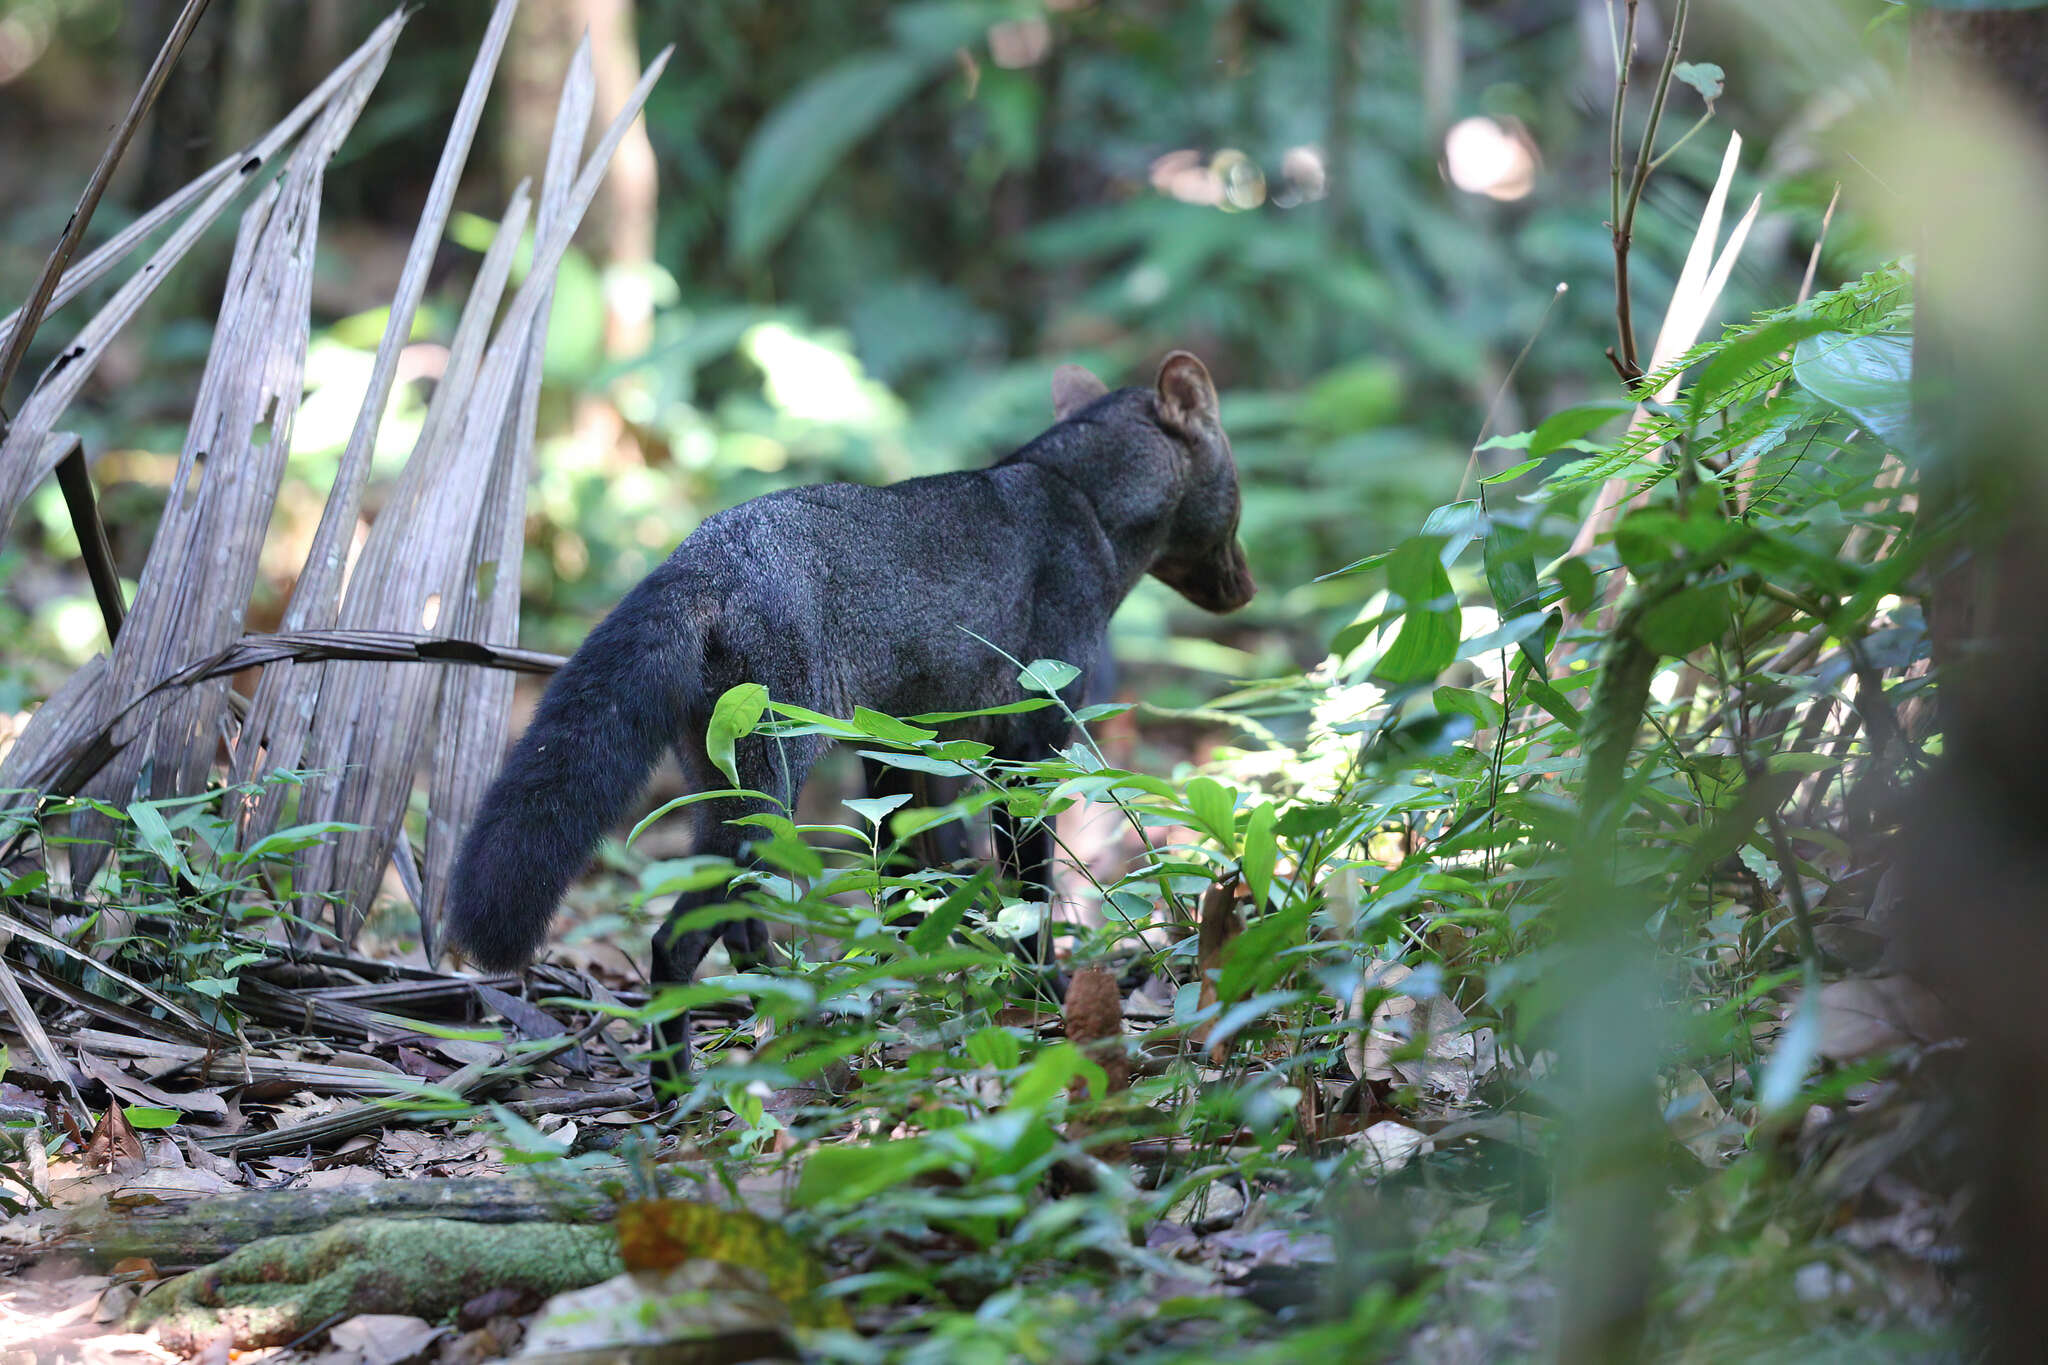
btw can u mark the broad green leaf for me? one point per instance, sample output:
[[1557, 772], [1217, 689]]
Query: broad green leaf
[[1511, 576], [1427, 644], [1212, 807], [1516, 630], [1050, 1072], [994, 1047], [1428, 641], [1046, 675], [735, 716], [938, 767], [873, 808], [1253, 960], [1486, 713], [149, 1116], [1575, 576], [1868, 377], [839, 1175], [784, 847], [1689, 619], [1704, 77], [1459, 523], [1559, 706]]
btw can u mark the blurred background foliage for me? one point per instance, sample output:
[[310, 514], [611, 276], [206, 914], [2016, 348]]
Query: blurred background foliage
[[858, 237]]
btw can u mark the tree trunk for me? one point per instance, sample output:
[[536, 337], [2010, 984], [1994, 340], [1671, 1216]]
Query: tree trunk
[[1976, 858]]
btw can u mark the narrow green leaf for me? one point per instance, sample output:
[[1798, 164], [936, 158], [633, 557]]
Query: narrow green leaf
[[1797, 1046], [1561, 428], [1261, 854], [156, 836], [737, 713], [890, 729], [926, 937], [808, 135], [1011, 709], [1512, 472], [1745, 356]]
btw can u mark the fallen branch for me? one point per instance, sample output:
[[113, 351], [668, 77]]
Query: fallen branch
[[186, 1232]]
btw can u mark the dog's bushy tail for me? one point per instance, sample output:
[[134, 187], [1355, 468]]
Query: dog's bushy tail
[[627, 694]]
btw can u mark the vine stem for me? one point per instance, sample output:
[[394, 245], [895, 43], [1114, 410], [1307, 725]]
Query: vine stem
[[1623, 223]]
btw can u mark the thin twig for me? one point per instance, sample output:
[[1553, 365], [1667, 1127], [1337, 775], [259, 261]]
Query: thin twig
[[1624, 57], [1493, 409], [1625, 212], [81, 217]]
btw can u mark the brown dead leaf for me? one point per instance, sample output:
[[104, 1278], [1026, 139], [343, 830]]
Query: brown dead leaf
[[171, 1182], [113, 1139], [1861, 1016], [1095, 1024], [385, 1338], [1387, 1146], [128, 1088], [1454, 1057], [1220, 924]]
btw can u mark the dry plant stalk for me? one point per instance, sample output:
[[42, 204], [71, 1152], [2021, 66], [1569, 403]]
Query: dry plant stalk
[[1220, 924]]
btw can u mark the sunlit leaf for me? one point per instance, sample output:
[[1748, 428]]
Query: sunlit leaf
[[735, 715]]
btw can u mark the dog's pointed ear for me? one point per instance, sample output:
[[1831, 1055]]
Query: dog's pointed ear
[[1073, 388], [1187, 396]]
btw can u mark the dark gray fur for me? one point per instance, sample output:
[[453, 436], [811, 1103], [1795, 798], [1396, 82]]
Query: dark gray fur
[[841, 595]]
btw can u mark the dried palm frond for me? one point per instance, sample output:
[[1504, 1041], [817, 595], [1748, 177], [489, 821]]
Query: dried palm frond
[[438, 569], [373, 721], [25, 456], [194, 590], [90, 745]]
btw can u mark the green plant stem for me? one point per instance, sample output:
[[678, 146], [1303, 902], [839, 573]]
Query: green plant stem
[[1702, 121]]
